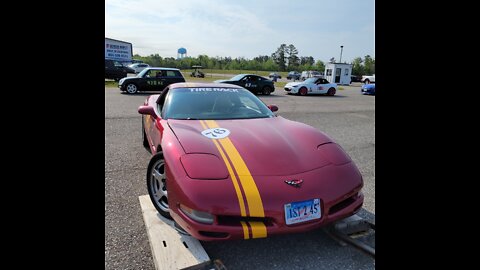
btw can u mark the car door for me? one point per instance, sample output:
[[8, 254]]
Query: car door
[[251, 83], [322, 86], [150, 80], [172, 76]]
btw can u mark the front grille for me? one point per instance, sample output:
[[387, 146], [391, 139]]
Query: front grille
[[343, 204], [287, 89], [214, 234], [235, 220]]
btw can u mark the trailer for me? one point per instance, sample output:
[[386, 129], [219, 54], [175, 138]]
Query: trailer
[[118, 50]]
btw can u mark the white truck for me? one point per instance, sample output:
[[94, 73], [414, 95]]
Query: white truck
[[368, 79]]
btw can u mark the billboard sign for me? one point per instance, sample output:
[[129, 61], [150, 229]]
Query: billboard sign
[[118, 50]]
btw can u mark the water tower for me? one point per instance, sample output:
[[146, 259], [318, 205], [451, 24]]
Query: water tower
[[181, 53]]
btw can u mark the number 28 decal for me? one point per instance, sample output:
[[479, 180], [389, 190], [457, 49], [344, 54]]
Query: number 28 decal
[[216, 133]]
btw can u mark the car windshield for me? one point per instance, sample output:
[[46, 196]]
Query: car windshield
[[141, 73], [237, 77], [214, 104], [310, 80]]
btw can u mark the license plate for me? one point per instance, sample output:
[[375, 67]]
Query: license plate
[[297, 212]]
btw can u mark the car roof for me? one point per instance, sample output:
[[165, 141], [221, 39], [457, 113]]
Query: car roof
[[247, 74], [203, 85], [162, 68]]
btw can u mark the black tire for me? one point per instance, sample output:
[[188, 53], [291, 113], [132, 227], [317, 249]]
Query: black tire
[[367, 81], [144, 136], [157, 184], [131, 88], [266, 90], [302, 91], [331, 91]]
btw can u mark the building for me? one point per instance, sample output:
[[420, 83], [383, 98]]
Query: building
[[339, 73]]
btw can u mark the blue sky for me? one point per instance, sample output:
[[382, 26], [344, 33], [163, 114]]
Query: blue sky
[[244, 28]]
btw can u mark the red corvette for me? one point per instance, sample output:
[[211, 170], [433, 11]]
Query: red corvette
[[224, 166]]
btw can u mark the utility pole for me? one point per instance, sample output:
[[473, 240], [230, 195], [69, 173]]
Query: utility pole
[[341, 51]]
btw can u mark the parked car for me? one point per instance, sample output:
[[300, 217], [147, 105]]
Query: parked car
[[311, 86], [225, 167], [368, 89], [115, 70], [137, 67], [274, 75], [355, 78], [310, 74], [151, 79], [293, 75], [368, 79], [253, 83]]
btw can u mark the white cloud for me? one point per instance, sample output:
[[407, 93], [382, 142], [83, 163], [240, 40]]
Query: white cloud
[[235, 28]]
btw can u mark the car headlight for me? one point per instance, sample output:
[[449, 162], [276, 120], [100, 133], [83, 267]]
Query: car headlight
[[334, 153], [199, 216], [204, 166], [121, 81]]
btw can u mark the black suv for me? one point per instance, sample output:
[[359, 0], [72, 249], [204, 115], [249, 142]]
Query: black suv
[[115, 70], [151, 79]]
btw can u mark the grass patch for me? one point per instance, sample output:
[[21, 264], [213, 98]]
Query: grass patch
[[111, 84], [341, 88]]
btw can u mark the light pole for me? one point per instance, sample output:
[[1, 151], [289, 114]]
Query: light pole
[[341, 51]]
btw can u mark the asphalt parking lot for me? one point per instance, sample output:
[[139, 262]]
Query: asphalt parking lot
[[348, 118]]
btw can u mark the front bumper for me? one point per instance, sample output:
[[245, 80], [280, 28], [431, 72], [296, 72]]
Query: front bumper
[[337, 187], [231, 230], [292, 90]]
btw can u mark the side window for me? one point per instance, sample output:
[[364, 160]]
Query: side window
[[346, 72], [329, 72], [178, 74], [171, 73], [117, 64], [160, 73]]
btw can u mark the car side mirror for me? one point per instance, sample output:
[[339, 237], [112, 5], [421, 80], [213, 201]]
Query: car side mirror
[[273, 108], [147, 110]]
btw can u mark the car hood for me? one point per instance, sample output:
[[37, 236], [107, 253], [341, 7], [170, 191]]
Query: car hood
[[221, 81], [291, 84], [268, 146]]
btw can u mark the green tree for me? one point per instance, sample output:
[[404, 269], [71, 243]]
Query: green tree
[[307, 60], [320, 66], [369, 64], [292, 56], [280, 57], [357, 67]]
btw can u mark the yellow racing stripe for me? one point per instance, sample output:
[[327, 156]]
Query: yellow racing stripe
[[245, 230], [254, 201], [258, 229], [234, 179]]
